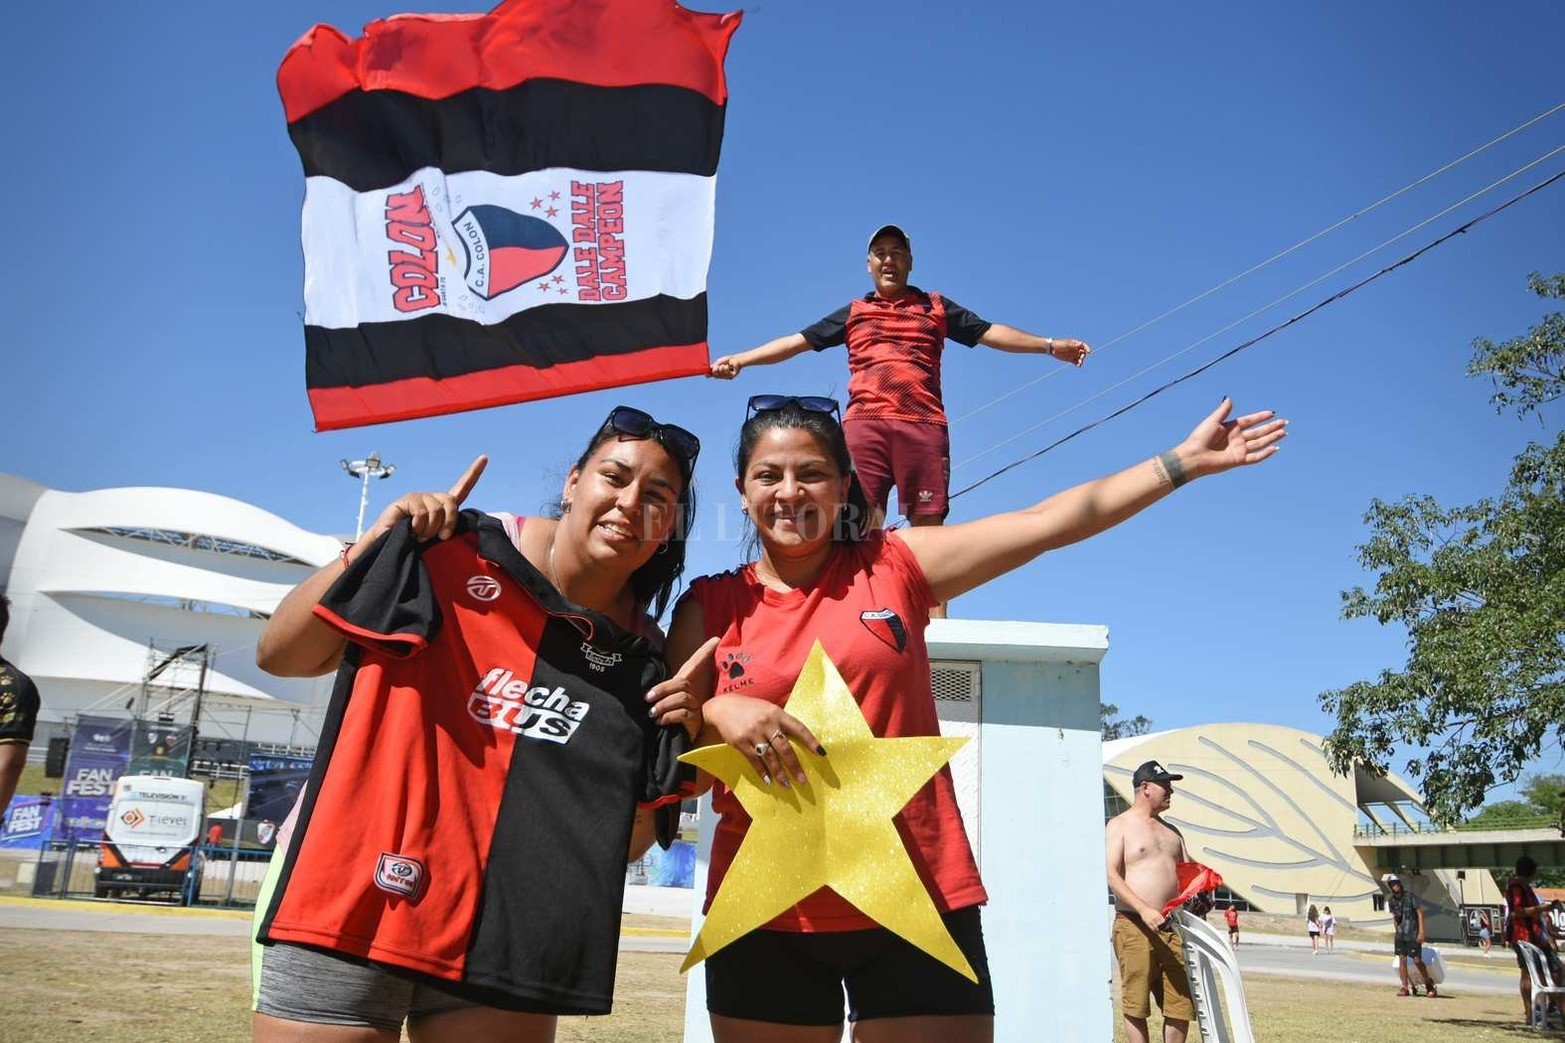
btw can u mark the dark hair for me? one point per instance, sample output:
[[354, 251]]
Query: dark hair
[[652, 585], [848, 527], [5, 613], [1526, 866]]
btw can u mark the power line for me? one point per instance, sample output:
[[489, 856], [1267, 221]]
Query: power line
[[1339, 295], [1261, 310], [1275, 257]]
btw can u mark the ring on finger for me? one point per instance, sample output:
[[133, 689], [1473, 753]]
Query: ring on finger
[[762, 749]]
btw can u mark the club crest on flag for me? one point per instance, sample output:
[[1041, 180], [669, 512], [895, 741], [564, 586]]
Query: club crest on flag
[[506, 249]]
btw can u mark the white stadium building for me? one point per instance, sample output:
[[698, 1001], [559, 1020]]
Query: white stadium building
[[106, 585]]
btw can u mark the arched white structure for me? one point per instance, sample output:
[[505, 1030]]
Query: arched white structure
[[99, 579]]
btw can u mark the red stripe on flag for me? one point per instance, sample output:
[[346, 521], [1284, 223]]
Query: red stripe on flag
[[342, 407], [606, 43]]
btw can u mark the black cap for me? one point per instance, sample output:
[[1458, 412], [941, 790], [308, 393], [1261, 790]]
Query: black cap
[[1152, 771], [890, 230]]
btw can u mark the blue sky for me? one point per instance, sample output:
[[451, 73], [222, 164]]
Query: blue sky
[[1071, 169]]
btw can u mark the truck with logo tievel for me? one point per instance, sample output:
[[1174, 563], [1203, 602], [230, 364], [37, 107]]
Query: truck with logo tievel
[[150, 836]]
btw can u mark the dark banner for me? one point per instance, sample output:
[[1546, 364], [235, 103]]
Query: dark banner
[[275, 784], [160, 749], [100, 753]]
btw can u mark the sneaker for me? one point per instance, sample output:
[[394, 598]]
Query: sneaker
[[1431, 993], [1403, 992]]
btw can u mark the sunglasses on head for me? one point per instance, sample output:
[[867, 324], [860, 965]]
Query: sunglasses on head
[[808, 403], [631, 422]]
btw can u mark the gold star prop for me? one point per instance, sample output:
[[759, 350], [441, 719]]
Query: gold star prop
[[835, 831]]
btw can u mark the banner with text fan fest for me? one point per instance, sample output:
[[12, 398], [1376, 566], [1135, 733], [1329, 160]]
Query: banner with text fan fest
[[505, 207]]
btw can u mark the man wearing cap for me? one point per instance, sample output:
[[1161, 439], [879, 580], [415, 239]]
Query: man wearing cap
[[1408, 916], [896, 421], [1144, 853]]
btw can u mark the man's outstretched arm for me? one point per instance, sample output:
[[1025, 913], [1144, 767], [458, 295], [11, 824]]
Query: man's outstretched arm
[[1020, 342], [779, 350]]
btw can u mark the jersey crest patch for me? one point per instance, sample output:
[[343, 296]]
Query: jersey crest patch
[[886, 625], [483, 588], [399, 875]]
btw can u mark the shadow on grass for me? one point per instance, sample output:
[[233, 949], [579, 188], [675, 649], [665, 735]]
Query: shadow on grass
[[1516, 1029]]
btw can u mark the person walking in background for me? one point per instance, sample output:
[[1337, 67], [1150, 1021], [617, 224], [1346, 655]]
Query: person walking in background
[[1408, 916], [1328, 929], [18, 717], [1312, 924], [1231, 914], [1485, 933]]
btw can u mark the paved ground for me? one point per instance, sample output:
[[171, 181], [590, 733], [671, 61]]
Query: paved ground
[[1267, 955]]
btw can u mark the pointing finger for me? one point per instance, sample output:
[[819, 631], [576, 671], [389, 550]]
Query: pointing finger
[[701, 658], [464, 484]]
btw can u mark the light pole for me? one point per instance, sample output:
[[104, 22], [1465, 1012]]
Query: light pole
[[364, 470]]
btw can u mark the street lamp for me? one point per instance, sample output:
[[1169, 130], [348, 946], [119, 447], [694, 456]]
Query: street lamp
[[364, 470]]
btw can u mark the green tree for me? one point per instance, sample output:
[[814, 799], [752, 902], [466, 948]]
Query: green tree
[[1480, 591], [1115, 727], [1547, 794]]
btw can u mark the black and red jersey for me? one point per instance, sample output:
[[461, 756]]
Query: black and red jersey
[[471, 803], [894, 347]]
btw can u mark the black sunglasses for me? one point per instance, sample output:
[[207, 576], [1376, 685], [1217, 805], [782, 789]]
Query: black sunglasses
[[809, 403], [634, 423]]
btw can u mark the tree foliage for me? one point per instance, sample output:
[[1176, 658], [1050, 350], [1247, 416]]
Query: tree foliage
[[1480, 590], [1115, 727]]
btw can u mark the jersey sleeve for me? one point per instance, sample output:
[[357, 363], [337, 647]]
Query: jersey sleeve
[[962, 325], [18, 708], [905, 566], [385, 600], [830, 331]]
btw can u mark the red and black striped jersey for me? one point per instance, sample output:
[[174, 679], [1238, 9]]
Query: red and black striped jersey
[[894, 348], [470, 807]]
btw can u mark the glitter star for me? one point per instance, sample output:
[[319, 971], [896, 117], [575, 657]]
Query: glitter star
[[835, 831]]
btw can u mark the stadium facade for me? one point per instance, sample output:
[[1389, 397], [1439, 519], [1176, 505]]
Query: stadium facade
[[105, 585], [1259, 804]]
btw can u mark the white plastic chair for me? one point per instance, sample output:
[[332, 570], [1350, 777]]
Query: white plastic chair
[[1216, 988], [1544, 986]]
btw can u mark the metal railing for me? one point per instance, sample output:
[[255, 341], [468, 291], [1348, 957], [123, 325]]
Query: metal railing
[[218, 877], [1399, 829]]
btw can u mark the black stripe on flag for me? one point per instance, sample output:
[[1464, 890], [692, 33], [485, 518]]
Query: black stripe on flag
[[440, 346], [372, 139]]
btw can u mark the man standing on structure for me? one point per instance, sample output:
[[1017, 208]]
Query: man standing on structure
[[18, 716], [896, 421], [1144, 853], [1408, 916]]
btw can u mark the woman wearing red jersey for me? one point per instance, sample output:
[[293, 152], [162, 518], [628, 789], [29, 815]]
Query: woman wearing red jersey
[[866, 597], [598, 570]]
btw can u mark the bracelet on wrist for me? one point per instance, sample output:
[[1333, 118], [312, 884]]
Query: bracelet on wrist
[[1171, 467], [345, 549]]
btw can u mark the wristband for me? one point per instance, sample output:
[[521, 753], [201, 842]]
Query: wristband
[[345, 549]]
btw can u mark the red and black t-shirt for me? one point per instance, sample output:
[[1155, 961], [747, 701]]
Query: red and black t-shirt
[[470, 808], [894, 348]]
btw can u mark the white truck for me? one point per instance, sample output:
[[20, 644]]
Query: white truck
[[150, 837]]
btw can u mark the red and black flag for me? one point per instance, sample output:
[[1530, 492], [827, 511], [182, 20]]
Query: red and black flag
[[505, 207]]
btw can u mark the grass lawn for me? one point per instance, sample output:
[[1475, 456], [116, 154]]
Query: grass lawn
[[80, 987]]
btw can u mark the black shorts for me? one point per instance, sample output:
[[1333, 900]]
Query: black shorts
[[797, 978], [1409, 947]]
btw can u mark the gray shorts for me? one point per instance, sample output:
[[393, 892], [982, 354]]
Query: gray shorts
[[302, 984]]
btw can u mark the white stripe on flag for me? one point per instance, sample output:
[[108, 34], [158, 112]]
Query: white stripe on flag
[[482, 246]]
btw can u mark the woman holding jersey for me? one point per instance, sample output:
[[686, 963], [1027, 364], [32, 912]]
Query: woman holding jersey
[[488, 760]]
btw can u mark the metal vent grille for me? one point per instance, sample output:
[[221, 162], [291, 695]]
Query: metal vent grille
[[954, 682]]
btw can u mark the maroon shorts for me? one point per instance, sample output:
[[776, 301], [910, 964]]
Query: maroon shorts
[[914, 457]]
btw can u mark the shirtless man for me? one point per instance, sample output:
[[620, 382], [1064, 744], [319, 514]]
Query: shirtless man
[[1143, 853]]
